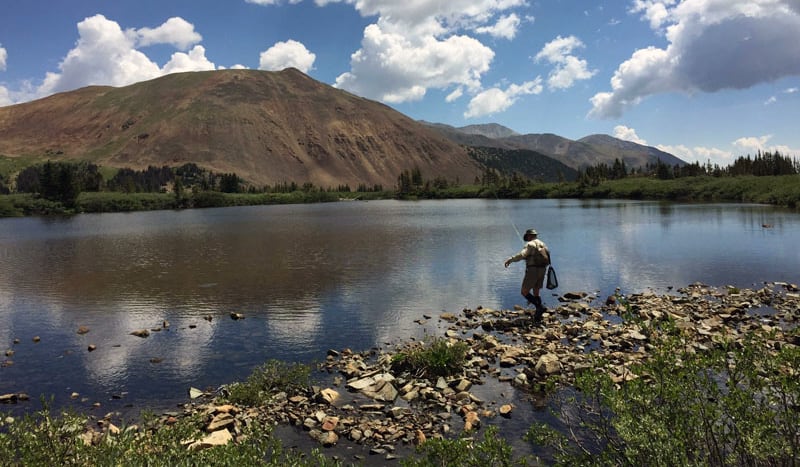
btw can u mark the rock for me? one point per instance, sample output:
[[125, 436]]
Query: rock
[[574, 295], [36, 339], [91, 348], [419, 438], [378, 387], [471, 421], [236, 316], [449, 317], [194, 393], [83, 330], [220, 421], [329, 396], [548, 364], [463, 385], [328, 438], [330, 423], [505, 410], [217, 438], [383, 390], [141, 333]]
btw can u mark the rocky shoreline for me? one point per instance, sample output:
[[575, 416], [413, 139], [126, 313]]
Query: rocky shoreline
[[384, 413]]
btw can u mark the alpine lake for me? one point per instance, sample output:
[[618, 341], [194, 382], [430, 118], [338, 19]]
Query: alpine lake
[[304, 280]]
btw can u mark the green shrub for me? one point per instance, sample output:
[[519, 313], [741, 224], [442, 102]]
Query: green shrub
[[491, 451], [733, 405], [8, 208], [269, 379], [45, 439], [434, 357]]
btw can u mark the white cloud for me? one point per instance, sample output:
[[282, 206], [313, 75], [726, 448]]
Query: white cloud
[[106, 55], [568, 68], [699, 154], [175, 31], [771, 100], [628, 134], [3, 58], [5, 97], [396, 68], [713, 45], [195, 60], [417, 45], [455, 95], [496, 100], [790, 90], [752, 144], [506, 27], [287, 54]]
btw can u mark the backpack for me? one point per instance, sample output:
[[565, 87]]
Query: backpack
[[540, 256]]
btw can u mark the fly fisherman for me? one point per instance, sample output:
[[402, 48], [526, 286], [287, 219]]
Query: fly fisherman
[[537, 258]]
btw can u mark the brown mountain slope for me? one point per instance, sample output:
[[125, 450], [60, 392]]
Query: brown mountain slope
[[268, 127]]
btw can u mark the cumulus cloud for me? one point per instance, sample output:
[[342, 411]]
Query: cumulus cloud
[[287, 54], [699, 154], [506, 27], [496, 100], [105, 54], [396, 68], [423, 44], [712, 45], [752, 144], [568, 68], [175, 31], [195, 60], [3, 58], [628, 134]]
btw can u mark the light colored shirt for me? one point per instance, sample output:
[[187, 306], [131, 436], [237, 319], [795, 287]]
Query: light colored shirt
[[527, 252]]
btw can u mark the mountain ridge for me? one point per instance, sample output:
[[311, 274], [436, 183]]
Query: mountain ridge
[[578, 154], [268, 127]]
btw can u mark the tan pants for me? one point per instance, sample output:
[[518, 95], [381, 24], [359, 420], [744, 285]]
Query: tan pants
[[534, 278]]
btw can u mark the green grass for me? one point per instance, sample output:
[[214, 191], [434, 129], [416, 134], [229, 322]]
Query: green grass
[[269, 379], [431, 358]]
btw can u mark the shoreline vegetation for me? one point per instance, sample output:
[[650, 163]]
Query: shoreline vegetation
[[781, 191], [697, 376], [28, 187]]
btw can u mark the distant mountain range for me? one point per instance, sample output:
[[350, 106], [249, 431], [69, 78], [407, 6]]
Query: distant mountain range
[[588, 151], [276, 127]]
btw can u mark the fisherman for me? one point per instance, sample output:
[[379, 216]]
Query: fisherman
[[537, 258]]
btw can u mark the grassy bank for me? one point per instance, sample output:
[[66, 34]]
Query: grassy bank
[[16, 205], [779, 191]]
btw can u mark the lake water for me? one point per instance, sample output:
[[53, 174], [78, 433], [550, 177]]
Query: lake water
[[309, 278]]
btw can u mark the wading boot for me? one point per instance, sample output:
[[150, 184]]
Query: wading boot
[[531, 299], [540, 309]]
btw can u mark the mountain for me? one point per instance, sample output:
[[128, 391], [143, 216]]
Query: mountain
[[632, 153], [267, 127], [490, 130], [588, 151]]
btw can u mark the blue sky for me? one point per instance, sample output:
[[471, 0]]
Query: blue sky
[[702, 79]]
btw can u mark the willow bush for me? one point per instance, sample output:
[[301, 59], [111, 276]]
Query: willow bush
[[735, 404]]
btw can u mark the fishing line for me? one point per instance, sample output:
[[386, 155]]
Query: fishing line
[[510, 219]]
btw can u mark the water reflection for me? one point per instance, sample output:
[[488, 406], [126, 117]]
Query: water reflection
[[310, 278]]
